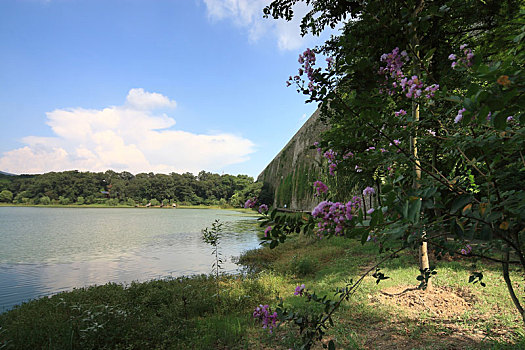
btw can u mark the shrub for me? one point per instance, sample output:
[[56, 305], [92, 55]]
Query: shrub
[[6, 196]]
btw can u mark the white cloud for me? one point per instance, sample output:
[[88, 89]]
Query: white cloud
[[138, 98], [248, 14], [130, 138]]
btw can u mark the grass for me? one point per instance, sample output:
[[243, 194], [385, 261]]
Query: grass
[[184, 313]]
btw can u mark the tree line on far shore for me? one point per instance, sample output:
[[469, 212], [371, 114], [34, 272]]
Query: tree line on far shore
[[113, 189]]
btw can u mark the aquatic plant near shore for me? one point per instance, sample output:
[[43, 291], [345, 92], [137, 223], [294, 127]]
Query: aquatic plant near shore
[[213, 237]]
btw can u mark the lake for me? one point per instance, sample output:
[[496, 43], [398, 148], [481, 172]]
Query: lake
[[44, 251]]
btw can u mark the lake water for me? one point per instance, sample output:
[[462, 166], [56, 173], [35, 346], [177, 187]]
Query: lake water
[[48, 250]]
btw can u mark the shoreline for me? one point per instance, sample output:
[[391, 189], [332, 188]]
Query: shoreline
[[243, 210]]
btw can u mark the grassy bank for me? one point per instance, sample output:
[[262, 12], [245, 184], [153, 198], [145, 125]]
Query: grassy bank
[[186, 313], [201, 206]]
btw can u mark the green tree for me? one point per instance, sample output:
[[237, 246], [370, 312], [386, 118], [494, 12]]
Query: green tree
[[6, 196]]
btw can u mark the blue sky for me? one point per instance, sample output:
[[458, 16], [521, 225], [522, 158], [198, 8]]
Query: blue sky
[[146, 85]]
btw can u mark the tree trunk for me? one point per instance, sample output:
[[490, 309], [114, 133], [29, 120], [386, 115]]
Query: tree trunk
[[508, 282], [423, 248]]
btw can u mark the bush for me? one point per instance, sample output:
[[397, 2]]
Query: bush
[[302, 266], [64, 200], [90, 199], [6, 196], [113, 202], [44, 200]]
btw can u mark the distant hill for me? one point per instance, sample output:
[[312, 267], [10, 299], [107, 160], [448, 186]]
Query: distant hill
[[7, 174]]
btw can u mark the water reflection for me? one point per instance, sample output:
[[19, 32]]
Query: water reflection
[[123, 246]]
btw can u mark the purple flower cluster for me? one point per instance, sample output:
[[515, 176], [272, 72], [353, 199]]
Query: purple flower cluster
[[466, 60], [291, 79], [335, 215], [396, 142], [401, 112], [459, 116], [299, 290], [330, 62], [394, 63], [263, 208], [307, 60], [412, 87], [320, 187], [263, 313], [250, 203], [431, 90], [267, 231], [466, 250], [330, 155], [368, 191], [347, 155], [332, 168]]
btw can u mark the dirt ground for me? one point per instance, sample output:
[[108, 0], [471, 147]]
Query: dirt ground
[[442, 305]]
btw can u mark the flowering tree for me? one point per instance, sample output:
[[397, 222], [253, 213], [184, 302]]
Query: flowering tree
[[425, 100]]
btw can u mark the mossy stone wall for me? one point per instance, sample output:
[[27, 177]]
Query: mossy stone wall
[[288, 179]]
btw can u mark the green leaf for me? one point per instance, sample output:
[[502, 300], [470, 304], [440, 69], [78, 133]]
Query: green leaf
[[429, 54], [274, 244], [453, 99], [468, 103], [482, 114], [460, 202], [386, 188], [429, 192], [364, 235], [399, 178], [414, 210], [373, 219], [473, 89], [500, 121], [509, 95], [405, 210]]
